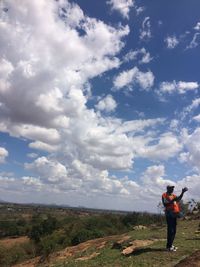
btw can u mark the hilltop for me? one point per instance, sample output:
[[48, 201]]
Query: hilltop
[[104, 252]]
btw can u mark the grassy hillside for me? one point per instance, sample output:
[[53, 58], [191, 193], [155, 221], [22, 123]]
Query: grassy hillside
[[100, 252], [51, 236], [153, 255]]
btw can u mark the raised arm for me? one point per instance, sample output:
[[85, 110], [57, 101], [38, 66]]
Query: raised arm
[[185, 189]]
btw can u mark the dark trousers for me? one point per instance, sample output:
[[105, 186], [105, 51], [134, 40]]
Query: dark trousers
[[171, 229]]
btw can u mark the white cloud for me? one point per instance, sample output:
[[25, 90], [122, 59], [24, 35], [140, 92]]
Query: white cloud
[[171, 42], [33, 182], [107, 104], [3, 154], [6, 69], [195, 104], [153, 178], [180, 87], [81, 177], [139, 10], [187, 110], [45, 75], [101, 190], [192, 146], [186, 86], [133, 77], [167, 146], [146, 58], [174, 125], [138, 126], [133, 55], [194, 43], [32, 155], [48, 71], [197, 27], [193, 184], [50, 170], [122, 6], [145, 31], [197, 118], [43, 146]]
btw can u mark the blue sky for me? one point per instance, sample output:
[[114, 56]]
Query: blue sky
[[99, 101]]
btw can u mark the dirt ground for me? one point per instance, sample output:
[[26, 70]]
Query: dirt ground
[[191, 261], [96, 244], [9, 242]]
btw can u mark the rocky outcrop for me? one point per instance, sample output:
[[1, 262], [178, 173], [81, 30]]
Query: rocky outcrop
[[136, 245]]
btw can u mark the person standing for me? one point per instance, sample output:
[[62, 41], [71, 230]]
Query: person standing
[[172, 210]]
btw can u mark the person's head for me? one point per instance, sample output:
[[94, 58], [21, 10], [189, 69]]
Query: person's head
[[170, 189]]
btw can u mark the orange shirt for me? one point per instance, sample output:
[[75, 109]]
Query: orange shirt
[[170, 206]]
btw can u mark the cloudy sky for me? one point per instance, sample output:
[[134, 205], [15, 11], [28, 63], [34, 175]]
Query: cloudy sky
[[99, 101]]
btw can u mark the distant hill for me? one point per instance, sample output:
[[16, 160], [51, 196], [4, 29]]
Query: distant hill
[[2, 201]]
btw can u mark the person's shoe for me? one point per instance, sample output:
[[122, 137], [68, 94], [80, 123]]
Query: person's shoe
[[172, 249]]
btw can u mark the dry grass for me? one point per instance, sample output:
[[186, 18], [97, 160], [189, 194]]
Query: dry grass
[[9, 242]]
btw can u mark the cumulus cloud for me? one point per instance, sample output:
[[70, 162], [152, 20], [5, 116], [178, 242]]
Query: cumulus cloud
[[32, 182], [43, 146], [197, 118], [50, 170], [45, 75], [132, 77], [174, 124], [122, 6], [138, 126], [81, 177], [153, 177], [107, 104], [145, 56], [180, 87], [165, 147], [3, 154], [192, 147], [46, 70], [171, 42], [193, 184], [145, 31], [102, 190]]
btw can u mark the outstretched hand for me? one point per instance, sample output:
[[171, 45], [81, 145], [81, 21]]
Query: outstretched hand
[[185, 189]]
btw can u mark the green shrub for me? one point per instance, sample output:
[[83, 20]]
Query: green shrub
[[10, 256], [42, 228], [13, 227], [84, 235], [51, 243]]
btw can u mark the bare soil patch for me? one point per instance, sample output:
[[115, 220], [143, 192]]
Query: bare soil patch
[[74, 251], [9, 242], [191, 261]]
